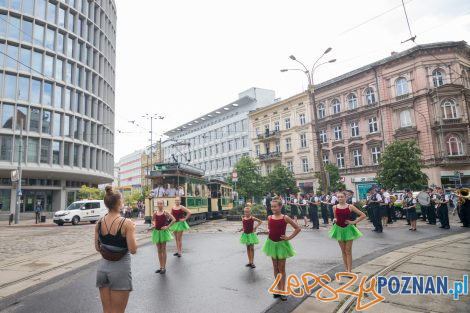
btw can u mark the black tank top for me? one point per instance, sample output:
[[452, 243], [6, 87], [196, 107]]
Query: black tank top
[[117, 240]]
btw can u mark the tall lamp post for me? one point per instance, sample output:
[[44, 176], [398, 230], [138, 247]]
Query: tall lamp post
[[311, 96]]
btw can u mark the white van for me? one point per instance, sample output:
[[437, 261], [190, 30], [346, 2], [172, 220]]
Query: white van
[[81, 211]]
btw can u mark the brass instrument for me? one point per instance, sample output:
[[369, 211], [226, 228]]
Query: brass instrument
[[462, 195]]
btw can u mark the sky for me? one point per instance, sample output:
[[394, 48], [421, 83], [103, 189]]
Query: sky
[[181, 59]]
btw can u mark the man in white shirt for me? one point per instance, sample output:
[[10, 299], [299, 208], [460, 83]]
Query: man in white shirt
[[159, 191], [333, 201], [375, 200], [385, 205], [171, 192]]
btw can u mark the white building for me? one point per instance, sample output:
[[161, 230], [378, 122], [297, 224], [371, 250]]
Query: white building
[[215, 141], [130, 170]]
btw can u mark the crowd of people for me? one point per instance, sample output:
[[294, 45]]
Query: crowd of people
[[115, 234]]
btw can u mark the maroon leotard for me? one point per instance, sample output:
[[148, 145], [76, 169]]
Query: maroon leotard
[[248, 225], [160, 221], [277, 228], [342, 214], [178, 214]]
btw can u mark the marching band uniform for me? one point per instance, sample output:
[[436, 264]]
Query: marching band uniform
[[375, 199], [323, 207], [465, 212], [313, 211], [431, 210], [333, 201], [411, 212], [444, 211], [294, 210]]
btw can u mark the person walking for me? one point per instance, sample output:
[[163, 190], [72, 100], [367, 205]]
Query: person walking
[[114, 240], [38, 211]]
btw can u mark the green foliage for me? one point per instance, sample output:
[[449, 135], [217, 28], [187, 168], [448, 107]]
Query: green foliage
[[400, 166], [132, 198], [281, 181], [250, 183], [335, 179], [90, 193]]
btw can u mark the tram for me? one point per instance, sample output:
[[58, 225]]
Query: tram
[[205, 198]]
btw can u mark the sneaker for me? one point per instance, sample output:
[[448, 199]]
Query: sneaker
[[253, 265], [175, 254], [283, 298], [248, 265], [163, 271], [275, 296], [158, 271]]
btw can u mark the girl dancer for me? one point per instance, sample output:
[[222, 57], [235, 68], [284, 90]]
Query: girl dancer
[[249, 237], [180, 225], [161, 234], [344, 229], [277, 246]]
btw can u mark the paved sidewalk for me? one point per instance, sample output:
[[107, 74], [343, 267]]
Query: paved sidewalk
[[448, 256]]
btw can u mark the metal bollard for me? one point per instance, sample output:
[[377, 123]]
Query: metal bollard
[[10, 219]]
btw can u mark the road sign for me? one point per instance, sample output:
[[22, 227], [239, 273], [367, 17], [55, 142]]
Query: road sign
[[14, 176], [235, 180]]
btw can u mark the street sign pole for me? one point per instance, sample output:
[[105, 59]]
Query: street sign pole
[[18, 184]]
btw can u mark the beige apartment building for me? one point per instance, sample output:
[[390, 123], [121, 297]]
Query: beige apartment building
[[422, 93]]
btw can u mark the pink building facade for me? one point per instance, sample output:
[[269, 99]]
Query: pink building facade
[[422, 94]]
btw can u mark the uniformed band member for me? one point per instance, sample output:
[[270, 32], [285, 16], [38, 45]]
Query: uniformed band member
[[350, 199], [333, 201], [374, 201], [410, 207], [324, 206], [403, 205], [464, 210], [368, 207], [442, 208], [430, 209], [313, 203], [384, 205]]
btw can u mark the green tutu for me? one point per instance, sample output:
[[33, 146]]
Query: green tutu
[[179, 226], [249, 239], [347, 233], [161, 236], [278, 249]]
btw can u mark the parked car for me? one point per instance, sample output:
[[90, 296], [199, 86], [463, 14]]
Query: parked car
[[81, 211]]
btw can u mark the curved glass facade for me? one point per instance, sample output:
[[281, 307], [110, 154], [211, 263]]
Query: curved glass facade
[[57, 79]]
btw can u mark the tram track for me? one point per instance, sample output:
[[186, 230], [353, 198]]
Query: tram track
[[350, 301]]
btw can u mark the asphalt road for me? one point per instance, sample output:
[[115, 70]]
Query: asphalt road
[[211, 276]]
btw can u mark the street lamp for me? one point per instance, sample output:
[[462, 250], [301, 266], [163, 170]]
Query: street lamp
[[311, 96]]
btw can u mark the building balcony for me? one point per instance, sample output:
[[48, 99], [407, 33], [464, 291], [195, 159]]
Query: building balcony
[[271, 156], [275, 134], [450, 123], [358, 170], [453, 160]]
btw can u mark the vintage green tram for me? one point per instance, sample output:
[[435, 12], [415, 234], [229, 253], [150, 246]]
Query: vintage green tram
[[206, 198]]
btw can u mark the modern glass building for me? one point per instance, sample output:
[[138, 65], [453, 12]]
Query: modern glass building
[[57, 82]]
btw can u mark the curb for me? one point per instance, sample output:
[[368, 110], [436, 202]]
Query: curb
[[294, 302]]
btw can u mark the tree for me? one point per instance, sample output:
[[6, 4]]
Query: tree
[[400, 166], [332, 174], [91, 193], [133, 198], [250, 183], [281, 181]]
